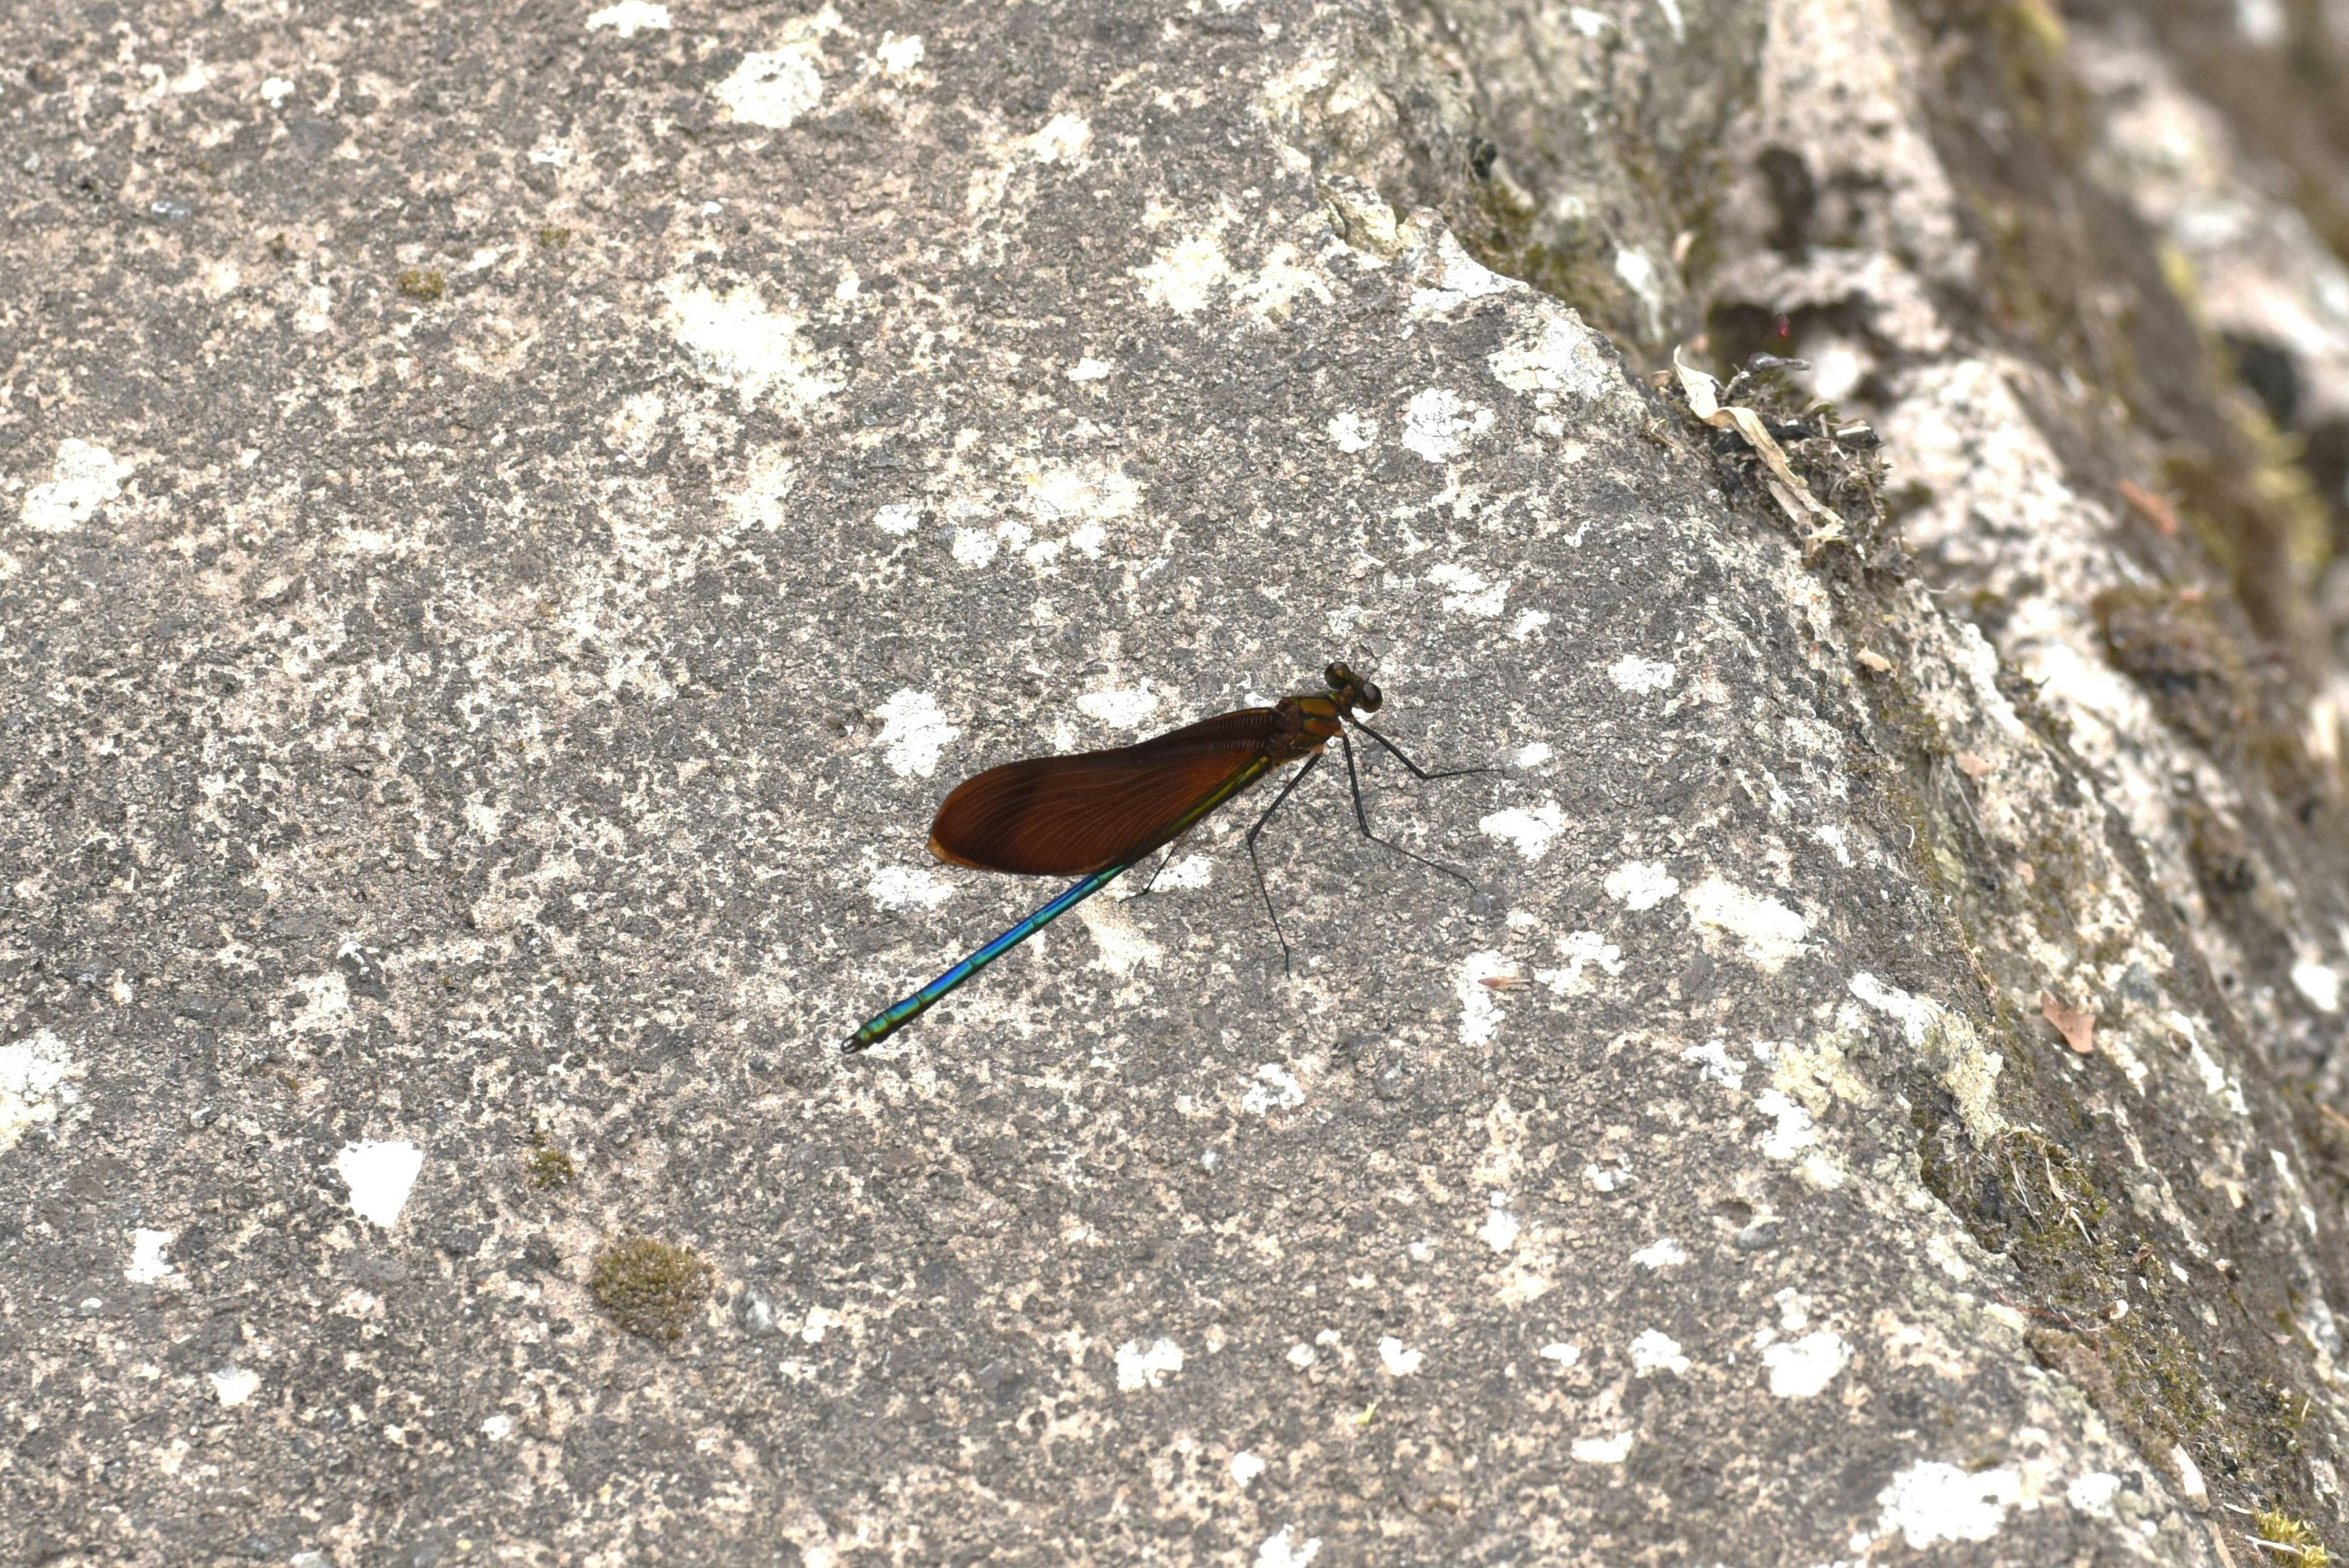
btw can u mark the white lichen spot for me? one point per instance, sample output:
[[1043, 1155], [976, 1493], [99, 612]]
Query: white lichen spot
[[232, 1386], [1562, 1352], [1639, 884], [1654, 1351], [1793, 1131], [630, 17], [1715, 1065], [498, 1428], [2214, 1078], [1581, 950], [1439, 423], [1121, 709], [1352, 433], [1280, 1550], [634, 427], [1457, 278], [914, 731], [1065, 138], [1533, 754], [1140, 1367], [1606, 1178], [1801, 1368], [1794, 1310], [1661, 1253], [767, 481], [1190, 871], [1246, 1468], [1120, 946], [735, 339], [1531, 831], [1469, 593], [907, 887], [897, 518], [1768, 933], [2321, 984], [380, 1176], [1184, 277], [149, 1265], [1612, 1450], [33, 1085], [974, 547], [1276, 1089], [1640, 676], [1088, 369], [1527, 623], [1301, 1355], [1397, 1359], [774, 87], [275, 90], [83, 477], [1561, 359], [1500, 1229], [1931, 1502], [899, 57], [1058, 495], [325, 1003], [1284, 275], [2092, 1493], [1480, 1012]]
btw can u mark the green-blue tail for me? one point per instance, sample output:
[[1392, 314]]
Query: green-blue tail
[[890, 1020]]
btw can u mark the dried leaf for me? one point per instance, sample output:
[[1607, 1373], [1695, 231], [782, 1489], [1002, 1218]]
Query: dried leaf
[[1873, 662], [1975, 767], [2077, 1027], [2149, 506], [1792, 494]]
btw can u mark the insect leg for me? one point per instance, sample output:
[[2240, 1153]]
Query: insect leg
[[1414, 767], [1362, 818], [1294, 780], [1153, 876]]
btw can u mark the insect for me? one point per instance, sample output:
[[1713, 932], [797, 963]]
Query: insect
[[1097, 814]]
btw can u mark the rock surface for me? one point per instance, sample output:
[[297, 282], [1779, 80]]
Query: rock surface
[[507, 531]]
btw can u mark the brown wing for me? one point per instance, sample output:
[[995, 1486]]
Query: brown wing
[[1069, 815]]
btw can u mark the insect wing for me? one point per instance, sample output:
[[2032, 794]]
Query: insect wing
[[1069, 816]]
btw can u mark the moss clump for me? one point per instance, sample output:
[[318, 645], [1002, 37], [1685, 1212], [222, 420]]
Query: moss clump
[[418, 283], [553, 238], [2288, 1541], [650, 1288], [550, 1169]]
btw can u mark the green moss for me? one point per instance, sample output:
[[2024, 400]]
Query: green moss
[[553, 239], [651, 1288], [2288, 1541], [419, 283], [550, 1169]]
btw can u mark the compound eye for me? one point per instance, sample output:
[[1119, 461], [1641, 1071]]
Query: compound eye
[[1337, 677], [1367, 698]]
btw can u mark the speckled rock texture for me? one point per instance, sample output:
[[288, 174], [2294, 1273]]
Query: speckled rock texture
[[509, 524]]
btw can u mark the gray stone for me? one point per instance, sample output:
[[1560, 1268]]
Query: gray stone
[[509, 528]]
